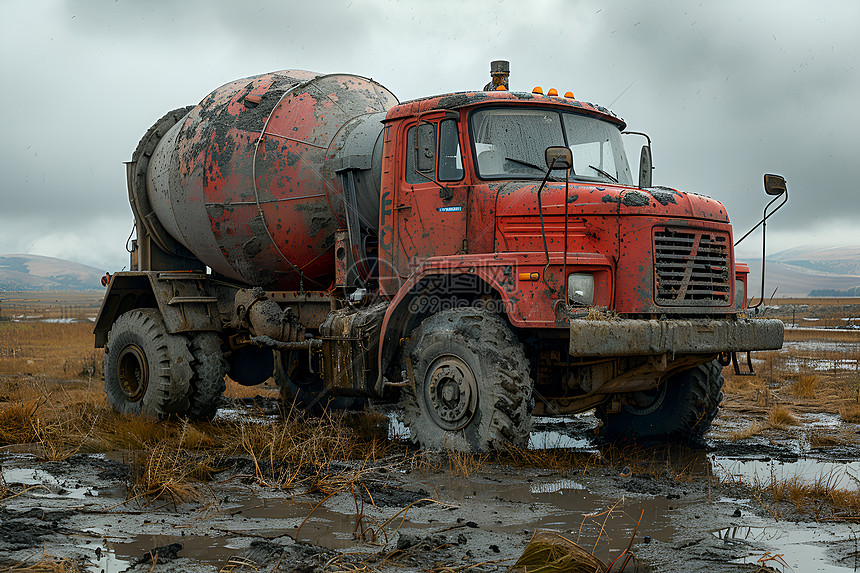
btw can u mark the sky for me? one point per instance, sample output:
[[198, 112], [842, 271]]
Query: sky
[[727, 90]]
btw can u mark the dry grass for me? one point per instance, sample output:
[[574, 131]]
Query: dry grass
[[167, 471], [4, 488], [820, 439], [237, 392], [831, 334], [298, 449], [49, 350], [804, 386], [822, 497], [463, 464], [558, 459], [850, 412], [754, 429], [16, 422], [48, 564], [781, 417]]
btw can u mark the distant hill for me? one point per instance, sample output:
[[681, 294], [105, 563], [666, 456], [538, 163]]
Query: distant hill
[[799, 271], [35, 272]]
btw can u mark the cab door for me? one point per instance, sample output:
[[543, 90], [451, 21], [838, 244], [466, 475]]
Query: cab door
[[431, 204]]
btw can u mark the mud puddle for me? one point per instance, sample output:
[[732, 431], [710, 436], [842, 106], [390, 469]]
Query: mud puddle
[[800, 548], [839, 475]]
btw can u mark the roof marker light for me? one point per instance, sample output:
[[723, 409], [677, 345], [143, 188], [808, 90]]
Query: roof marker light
[[570, 95], [537, 90], [552, 92], [501, 89]]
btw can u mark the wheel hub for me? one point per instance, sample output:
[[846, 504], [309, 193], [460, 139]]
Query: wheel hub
[[451, 392], [646, 402], [132, 372]]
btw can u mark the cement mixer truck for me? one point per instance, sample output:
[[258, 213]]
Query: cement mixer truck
[[478, 258]]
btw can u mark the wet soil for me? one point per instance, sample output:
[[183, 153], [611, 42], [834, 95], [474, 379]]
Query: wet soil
[[679, 510]]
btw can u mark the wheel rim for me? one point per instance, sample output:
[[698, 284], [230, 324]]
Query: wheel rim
[[647, 401], [451, 392], [132, 372]]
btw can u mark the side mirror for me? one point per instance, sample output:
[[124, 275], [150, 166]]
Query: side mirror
[[645, 167], [774, 184], [558, 157]]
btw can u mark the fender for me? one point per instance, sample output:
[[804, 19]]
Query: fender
[[181, 297], [499, 275]]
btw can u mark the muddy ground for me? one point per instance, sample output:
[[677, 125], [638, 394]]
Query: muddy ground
[[695, 516]]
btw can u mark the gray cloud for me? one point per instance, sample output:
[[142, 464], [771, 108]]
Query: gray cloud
[[727, 91]]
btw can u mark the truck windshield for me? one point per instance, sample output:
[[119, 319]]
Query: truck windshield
[[509, 144]]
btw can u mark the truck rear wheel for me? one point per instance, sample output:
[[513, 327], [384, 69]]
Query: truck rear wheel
[[210, 367], [147, 370], [680, 410], [472, 387]]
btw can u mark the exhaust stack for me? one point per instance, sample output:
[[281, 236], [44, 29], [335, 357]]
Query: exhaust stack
[[500, 70]]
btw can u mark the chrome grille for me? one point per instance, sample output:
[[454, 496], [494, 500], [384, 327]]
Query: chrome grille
[[691, 268]]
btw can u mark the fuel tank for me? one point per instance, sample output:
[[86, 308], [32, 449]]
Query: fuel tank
[[248, 180]]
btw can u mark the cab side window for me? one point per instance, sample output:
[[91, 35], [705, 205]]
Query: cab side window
[[423, 163], [450, 158], [421, 153]]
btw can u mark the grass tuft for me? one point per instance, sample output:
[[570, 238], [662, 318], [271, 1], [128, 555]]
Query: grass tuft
[[754, 429], [819, 439], [850, 412], [17, 422], [167, 472], [463, 464], [823, 497], [48, 564], [804, 387], [781, 417]]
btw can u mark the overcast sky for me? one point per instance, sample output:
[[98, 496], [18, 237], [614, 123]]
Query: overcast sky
[[727, 91]]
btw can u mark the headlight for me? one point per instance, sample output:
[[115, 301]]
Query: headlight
[[580, 289], [740, 294]]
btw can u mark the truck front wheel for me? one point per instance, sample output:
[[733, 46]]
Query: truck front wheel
[[147, 370], [472, 388], [680, 410]]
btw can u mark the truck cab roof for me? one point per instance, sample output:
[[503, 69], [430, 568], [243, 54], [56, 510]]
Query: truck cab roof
[[457, 100]]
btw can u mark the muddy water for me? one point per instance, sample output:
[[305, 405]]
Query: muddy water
[[802, 548], [836, 475], [602, 524]]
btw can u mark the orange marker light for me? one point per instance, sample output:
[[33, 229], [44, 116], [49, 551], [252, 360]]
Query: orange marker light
[[537, 90], [501, 89], [569, 94], [533, 277], [552, 92]]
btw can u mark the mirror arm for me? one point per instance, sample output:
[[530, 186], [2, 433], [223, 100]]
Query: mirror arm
[[645, 175], [763, 224], [645, 135]]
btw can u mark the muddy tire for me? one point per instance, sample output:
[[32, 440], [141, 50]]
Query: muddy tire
[[473, 390], [304, 390], [147, 370], [210, 367], [681, 410]]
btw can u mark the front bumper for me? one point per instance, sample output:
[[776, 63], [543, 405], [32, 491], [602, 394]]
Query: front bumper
[[626, 337]]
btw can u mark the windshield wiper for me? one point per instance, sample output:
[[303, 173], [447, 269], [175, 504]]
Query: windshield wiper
[[602, 172], [533, 166]]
